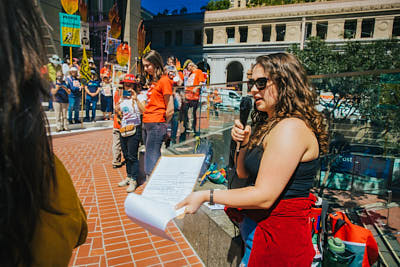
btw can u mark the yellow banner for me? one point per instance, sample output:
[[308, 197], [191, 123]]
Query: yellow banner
[[70, 36], [85, 69]]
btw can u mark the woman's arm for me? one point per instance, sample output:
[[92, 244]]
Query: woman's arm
[[241, 135], [97, 91], [55, 89], [87, 91], [169, 103], [287, 144]]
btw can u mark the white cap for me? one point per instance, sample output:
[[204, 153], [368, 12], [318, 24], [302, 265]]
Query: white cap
[[73, 69]]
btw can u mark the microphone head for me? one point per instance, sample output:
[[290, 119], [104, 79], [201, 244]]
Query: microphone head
[[245, 108]]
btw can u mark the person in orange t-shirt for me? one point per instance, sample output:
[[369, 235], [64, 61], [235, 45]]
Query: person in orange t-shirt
[[116, 144], [158, 110], [192, 94]]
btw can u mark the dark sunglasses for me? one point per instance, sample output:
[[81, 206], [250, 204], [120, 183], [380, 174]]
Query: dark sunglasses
[[260, 83]]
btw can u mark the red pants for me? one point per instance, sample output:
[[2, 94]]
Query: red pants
[[284, 237]]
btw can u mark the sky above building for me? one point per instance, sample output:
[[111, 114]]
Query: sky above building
[[158, 6]]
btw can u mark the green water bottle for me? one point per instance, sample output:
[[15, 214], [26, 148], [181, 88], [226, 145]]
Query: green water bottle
[[336, 254]]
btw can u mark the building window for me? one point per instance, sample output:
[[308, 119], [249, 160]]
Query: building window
[[168, 38], [322, 29], [350, 27], [396, 27], [178, 38], [209, 35], [280, 32], [243, 34], [230, 32], [367, 28], [197, 37], [266, 33], [308, 29]]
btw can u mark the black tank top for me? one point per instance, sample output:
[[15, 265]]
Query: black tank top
[[299, 184]]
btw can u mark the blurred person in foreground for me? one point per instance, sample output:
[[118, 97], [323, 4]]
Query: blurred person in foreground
[[159, 109], [280, 158], [42, 219]]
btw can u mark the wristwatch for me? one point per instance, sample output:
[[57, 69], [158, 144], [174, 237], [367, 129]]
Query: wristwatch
[[211, 197]]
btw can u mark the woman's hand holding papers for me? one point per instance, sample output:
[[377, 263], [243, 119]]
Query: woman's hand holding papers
[[193, 201]]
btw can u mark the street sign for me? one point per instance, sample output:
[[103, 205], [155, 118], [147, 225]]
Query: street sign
[[70, 30]]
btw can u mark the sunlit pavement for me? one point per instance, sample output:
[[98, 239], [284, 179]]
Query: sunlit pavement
[[113, 240]]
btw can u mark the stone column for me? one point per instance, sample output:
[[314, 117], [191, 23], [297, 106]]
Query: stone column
[[314, 28], [335, 29], [273, 32], [254, 34], [220, 36], [383, 27], [358, 31], [293, 32]]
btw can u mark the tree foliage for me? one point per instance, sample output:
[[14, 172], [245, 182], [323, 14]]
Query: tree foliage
[[253, 3], [217, 5], [359, 93]]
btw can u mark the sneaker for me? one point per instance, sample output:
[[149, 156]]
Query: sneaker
[[132, 186], [124, 182], [117, 166]]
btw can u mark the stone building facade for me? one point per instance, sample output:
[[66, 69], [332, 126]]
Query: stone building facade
[[234, 38]]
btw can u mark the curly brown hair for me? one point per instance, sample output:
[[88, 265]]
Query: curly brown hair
[[295, 99]]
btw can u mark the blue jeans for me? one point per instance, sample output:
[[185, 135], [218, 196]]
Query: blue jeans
[[174, 125], [153, 136], [130, 147], [90, 100], [74, 105]]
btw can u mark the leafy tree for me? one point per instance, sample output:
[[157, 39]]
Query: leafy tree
[[174, 12], [183, 10], [217, 5], [165, 12], [359, 93]]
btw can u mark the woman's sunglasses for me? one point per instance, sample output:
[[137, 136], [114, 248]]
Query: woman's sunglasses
[[260, 83]]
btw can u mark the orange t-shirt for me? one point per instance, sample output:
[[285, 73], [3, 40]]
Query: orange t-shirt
[[155, 108], [193, 93], [117, 122]]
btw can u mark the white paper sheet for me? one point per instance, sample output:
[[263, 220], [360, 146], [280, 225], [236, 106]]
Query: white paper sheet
[[172, 180]]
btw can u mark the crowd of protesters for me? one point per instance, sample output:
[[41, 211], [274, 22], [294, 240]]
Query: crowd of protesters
[[157, 107]]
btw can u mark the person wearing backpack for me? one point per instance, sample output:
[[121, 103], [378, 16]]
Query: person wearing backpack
[[280, 159]]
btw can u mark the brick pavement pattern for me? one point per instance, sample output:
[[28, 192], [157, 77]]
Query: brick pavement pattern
[[113, 239]]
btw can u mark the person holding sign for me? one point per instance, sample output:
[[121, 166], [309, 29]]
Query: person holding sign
[[129, 109], [280, 158]]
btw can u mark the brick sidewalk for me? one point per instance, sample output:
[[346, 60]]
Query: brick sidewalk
[[113, 239]]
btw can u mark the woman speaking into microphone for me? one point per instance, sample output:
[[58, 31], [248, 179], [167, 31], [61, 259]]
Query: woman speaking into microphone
[[279, 155]]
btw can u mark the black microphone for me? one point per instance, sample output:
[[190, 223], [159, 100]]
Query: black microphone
[[245, 108]]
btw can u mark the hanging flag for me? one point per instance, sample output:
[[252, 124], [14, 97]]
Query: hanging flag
[[85, 69], [147, 49]]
